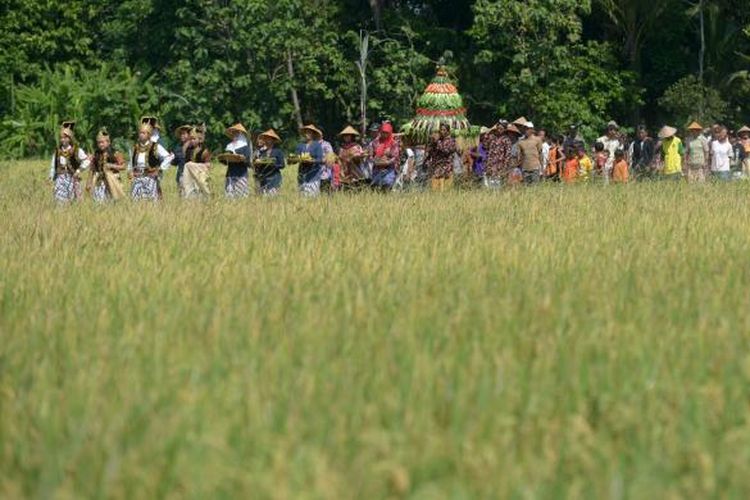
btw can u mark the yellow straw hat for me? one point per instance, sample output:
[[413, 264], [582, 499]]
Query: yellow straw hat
[[349, 130], [270, 134], [234, 129], [695, 126], [312, 128]]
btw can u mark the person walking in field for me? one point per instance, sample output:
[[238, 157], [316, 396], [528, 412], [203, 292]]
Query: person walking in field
[[722, 154], [178, 154], [571, 166], [439, 158], [696, 154], [642, 154], [195, 179], [354, 172], [672, 152], [585, 165], [106, 164], [236, 184], [499, 155], [311, 160], [68, 161], [611, 141], [744, 148], [147, 162], [530, 155], [620, 174], [269, 163], [386, 158]]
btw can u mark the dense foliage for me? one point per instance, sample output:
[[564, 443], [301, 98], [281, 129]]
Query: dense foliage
[[282, 62]]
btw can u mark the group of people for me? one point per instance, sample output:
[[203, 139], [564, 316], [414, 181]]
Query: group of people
[[507, 154]]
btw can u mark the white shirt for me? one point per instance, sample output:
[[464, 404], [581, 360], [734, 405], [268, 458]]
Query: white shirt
[[83, 161], [721, 154], [141, 162], [545, 154], [611, 145]]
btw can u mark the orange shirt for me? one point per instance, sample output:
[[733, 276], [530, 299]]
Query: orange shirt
[[620, 172], [570, 172]]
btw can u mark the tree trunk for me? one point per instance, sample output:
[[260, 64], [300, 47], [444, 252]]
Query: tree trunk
[[364, 39], [293, 89], [701, 58]]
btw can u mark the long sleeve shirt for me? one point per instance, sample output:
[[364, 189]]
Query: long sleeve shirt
[[81, 156], [141, 159]]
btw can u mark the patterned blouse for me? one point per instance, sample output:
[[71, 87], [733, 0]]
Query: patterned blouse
[[439, 160]]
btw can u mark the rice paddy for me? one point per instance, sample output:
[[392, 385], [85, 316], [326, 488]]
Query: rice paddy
[[555, 342]]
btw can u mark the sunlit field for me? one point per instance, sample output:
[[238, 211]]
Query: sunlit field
[[555, 342]]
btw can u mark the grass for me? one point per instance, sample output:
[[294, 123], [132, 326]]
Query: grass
[[559, 342]]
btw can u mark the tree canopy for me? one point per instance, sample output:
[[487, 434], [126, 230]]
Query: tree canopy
[[282, 62]]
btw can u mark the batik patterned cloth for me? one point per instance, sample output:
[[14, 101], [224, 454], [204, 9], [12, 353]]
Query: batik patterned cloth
[[67, 188], [237, 187], [440, 158], [145, 188], [498, 164]]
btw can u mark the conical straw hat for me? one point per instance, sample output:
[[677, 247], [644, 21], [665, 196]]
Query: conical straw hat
[[270, 134], [349, 130], [237, 127], [666, 132], [695, 126]]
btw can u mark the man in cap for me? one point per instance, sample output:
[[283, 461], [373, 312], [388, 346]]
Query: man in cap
[[696, 153], [612, 142]]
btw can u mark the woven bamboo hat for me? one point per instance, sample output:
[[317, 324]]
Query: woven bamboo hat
[[744, 130], [695, 126], [666, 132], [237, 128], [312, 128], [520, 122], [349, 130], [512, 128], [270, 134]]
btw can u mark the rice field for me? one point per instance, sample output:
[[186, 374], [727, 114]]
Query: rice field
[[555, 342]]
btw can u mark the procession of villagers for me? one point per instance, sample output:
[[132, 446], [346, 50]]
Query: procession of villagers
[[505, 155]]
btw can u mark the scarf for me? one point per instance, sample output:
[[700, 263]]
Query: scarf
[[384, 145]]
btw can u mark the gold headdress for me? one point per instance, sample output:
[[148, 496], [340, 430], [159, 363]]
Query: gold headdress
[[102, 134], [67, 129]]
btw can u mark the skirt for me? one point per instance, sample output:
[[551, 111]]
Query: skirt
[[67, 188], [268, 184], [236, 187], [383, 178], [308, 180], [195, 180], [145, 188]]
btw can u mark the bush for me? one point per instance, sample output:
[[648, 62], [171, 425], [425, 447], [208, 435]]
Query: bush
[[689, 99], [107, 96]]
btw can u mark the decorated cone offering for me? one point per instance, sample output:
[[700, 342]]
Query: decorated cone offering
[[439, 103]]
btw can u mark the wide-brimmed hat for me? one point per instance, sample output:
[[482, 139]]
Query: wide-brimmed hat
[[237, 128], [520, 122], [484, 130], [666, 132], [613, 124], [512, 128], [744, 130], [312, 128], [695, 126], [530, 125], [349, 130], [270, 134]]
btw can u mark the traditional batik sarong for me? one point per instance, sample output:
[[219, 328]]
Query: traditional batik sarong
[[145, 188], [195, 180], [67, 188], [236, 187], [107, 186]]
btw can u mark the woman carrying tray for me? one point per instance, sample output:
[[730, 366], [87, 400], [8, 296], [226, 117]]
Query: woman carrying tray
[[352, 156], [385, 155], [237, 161], [311, 158], [269, 163]]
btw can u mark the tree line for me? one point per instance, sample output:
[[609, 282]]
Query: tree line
[[283, 62]]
